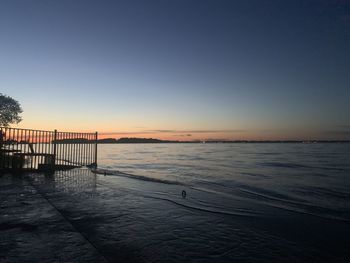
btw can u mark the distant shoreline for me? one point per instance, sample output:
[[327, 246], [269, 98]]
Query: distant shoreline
[[151, 140]]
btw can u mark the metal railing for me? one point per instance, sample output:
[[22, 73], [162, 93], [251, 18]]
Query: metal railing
[[28, 149]]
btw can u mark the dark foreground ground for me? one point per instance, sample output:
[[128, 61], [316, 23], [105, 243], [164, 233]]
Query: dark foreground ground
[[77, 216], [32, 230]]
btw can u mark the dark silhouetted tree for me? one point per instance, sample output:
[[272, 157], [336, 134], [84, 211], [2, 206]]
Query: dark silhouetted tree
[[10, 111]]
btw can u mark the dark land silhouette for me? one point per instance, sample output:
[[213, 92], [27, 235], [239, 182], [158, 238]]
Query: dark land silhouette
[[152, 140]]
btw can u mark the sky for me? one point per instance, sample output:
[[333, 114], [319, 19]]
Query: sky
[[182, 70]]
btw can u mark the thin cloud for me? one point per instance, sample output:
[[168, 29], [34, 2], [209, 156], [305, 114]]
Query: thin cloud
[[161, 131], [337, 132], [196, 131], [177, 132], [123, 133], [184, 135]]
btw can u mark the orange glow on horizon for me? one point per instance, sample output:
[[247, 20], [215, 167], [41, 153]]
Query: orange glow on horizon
[[105, 131]]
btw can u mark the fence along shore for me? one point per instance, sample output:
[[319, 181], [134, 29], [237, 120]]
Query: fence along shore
[[27, 149]]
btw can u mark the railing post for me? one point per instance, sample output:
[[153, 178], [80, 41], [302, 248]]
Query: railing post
[[96, 137], [54, 147]]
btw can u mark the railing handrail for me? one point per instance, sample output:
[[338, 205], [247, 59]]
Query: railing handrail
[[79, 148], [25, 129]]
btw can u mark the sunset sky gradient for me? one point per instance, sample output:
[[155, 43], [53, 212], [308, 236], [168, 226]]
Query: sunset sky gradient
[[182, 70]]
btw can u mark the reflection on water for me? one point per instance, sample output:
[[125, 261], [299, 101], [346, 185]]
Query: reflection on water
[[75, 182]]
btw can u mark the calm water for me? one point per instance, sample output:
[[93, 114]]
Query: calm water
[[308, 178], [242, 203]]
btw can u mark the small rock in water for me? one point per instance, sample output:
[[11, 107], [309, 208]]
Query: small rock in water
[[184, 194]]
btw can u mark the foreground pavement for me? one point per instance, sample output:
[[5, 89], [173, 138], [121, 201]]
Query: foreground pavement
[[32, 230]]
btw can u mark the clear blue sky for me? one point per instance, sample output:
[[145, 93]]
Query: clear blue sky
[[180, 69]]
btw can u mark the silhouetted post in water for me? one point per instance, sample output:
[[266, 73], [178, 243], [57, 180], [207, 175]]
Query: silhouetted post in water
[[95, 150], [54, 147]]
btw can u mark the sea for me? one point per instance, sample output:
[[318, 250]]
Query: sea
[[211, 202]]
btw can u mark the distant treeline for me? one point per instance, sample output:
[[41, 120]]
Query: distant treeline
[[151, 140], [133, 140], [112, 140]]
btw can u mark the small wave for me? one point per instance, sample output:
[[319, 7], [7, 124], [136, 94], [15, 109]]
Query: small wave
[[293, 204], [284, 165], [323, 192], [300, 166], [331, 168], [259, 193], [187, 204], [259, 175], [205, 209], [134, 176]]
